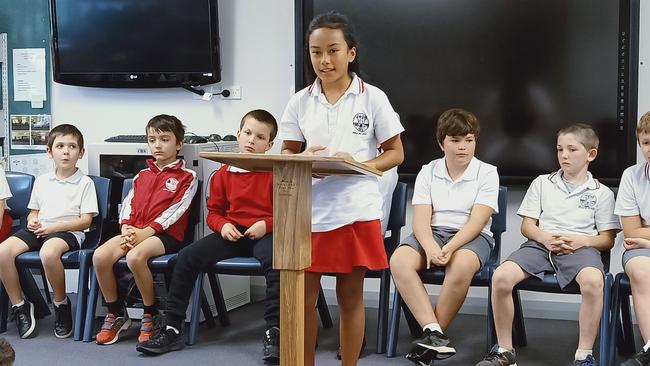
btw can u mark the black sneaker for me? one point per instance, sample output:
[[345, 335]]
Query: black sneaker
[[589, 361], [640, 359], [421, 356], [272, 346], [24, 317], [494, 358], [437, 342], [162, 342], [63, 320]]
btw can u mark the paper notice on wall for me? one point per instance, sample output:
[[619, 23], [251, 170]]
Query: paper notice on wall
[[29, 74]]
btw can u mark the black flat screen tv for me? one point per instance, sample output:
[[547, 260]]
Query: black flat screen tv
[[526, 68], [135, 43]]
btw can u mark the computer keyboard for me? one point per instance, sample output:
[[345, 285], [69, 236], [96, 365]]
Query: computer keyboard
[[128, 138]]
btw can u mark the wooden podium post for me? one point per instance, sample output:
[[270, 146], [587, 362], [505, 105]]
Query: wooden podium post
[[292, 230]]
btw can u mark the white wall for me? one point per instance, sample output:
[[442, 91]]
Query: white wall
[[257, 44]]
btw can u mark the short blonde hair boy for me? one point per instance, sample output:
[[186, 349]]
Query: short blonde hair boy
[[583, 133], [644, 125]]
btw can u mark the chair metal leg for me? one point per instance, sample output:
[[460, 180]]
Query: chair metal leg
[[46, 288], [614, 321], [603, 356], [518, 327], [323, 310], [393, 326], [207, 312], [90, 307], [82, 294], [628, 347], [4, 309], [195, 310], [219, 301], [382, 311], [491, 330]]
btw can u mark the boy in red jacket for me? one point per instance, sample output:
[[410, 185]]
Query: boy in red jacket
[[153, 220], [240, 209]]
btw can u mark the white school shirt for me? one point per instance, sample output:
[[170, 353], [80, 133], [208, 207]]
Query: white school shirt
[[5, 192], [60, 200], [357, 123], [634, 193], [452, 201], [587, 210]]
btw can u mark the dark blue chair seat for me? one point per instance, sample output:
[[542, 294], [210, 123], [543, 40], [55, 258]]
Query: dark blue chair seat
[[550, 285], [621, 329], [78, 259], [163, 264], [436, 276]]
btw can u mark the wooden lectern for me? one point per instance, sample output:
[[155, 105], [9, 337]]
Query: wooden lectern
[[292, 229]]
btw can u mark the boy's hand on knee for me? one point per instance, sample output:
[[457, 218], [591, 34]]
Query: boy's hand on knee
[[434, 256], [256, 231], [230, 232], [636, 243]]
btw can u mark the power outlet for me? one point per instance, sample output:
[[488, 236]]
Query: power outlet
[[235, 91]]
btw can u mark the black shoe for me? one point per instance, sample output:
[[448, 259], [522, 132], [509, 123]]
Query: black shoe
[[63, 320], [162, 342], [495, 358], [640, 359], [421, 356], [24, 317], [272, 346], [363, 348], [437, 342]]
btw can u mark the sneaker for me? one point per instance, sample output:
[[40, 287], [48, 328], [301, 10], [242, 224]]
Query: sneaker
[[162, 342], [149, 326], [63, 320], [640, 359], [112, 328], [589, 361], [437, 342], [421, 356], [24, 317], [271, 352], [494, 358]]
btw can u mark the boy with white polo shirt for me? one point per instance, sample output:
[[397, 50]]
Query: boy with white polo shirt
[[63, 204], [633, 207], [453, 202], [568, 218]]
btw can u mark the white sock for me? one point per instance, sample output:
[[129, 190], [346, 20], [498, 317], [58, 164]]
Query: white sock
[[174, 329], [432, 327], [581, 354], [59, 303], [503, 350], [21, 303], [645, 348]]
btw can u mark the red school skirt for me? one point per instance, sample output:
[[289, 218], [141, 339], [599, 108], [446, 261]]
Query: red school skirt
[[359, 244], [5, 229]]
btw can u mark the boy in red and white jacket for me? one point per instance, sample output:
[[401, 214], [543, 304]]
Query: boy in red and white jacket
[[240, 209], [153, 220]]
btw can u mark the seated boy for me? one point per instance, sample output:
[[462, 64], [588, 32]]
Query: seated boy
[[633, 207], [568, 218], [63, 204], [153, 220], [453, 202], [240, 210]]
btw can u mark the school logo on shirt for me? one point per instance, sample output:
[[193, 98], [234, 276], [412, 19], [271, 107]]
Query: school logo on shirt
[[588, 201], [171, 184], [361, 123]]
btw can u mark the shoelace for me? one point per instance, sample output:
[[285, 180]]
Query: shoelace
[[492, 356], [19, 314], [589, 361]]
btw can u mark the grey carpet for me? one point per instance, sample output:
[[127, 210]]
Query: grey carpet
[[551, 342]]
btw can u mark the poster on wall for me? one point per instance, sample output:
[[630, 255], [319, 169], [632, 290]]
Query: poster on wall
[[29, 75], [30, 131]]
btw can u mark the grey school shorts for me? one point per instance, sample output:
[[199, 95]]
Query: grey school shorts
[[533, 257], [631, 253], [481, 245]]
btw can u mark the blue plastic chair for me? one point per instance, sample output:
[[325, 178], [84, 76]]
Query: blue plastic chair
[[435, 276], [621, 329], [162, 264], [550, 285], [78, 259]]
